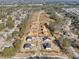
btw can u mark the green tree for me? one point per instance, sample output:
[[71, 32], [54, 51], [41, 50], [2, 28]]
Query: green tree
[[1, 27], [23, 25], [66, 43], [15, 33], [17, 45], [8, 52], [9, 38], [10, 22]]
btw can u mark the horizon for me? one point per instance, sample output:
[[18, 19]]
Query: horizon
[[35, 1]]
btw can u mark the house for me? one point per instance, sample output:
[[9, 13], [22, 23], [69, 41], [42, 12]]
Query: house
[[46, 38], [29, 38], [47, 46], [27, 45]]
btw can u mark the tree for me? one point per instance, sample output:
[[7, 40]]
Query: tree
[[10, 22], [15, 33], [17, 45], [66, 43], [23, 25], [8, 52], [1, 27], [9, 38]]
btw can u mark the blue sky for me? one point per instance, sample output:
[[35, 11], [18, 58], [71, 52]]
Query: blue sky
[[61, 0], [45, 0], [9, 1]]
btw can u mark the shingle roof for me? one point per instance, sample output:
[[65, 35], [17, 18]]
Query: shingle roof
[[46, 45], [29, 37], [27, 45]]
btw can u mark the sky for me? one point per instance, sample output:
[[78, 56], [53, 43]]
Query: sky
[[12, 1], [39, 0]]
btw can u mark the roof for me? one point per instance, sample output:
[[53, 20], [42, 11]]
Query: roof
[[45, 38], [46, 45], [27, 45], [7, 45], [29, 37]]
